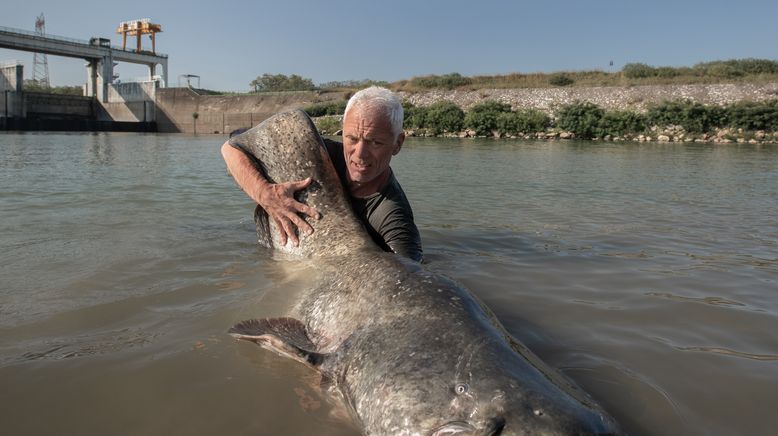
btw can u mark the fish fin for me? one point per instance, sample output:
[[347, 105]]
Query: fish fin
[[285, 336], [261, 218]]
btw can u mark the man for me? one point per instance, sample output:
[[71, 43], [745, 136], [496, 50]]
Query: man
[[372, 134]]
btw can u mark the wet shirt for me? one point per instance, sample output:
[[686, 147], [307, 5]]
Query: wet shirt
[[387, 214]]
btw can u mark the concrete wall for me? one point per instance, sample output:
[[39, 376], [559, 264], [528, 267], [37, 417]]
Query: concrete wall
[[60, 106], [132, 91], [11, 78], [11, 104], [223, 114], [129, 102], [136, 111]]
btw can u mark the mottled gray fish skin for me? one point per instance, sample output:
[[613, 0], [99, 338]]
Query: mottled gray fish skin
[[410, 351], [287, 148]]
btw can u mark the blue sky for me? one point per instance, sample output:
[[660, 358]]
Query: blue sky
[[229, 43]]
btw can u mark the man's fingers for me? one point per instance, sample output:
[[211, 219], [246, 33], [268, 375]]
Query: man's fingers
[[290, 232], [300, 184], [281, 232], [292, 205], [301, 224], [286, 210], [307, 210]]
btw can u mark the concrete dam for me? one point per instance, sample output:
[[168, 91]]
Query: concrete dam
[[107, 105]]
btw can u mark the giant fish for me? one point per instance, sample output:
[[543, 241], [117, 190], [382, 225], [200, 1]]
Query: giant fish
[[409, 351]]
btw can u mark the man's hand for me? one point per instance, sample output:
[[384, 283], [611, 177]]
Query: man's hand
[[277, 199], [279, 203]]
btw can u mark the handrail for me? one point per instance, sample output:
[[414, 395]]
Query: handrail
[[69, 40]]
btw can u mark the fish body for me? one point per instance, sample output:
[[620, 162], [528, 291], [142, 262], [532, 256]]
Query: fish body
[[410, 351]]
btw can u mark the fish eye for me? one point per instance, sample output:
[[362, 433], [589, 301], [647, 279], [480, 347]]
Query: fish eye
[[461, 388]]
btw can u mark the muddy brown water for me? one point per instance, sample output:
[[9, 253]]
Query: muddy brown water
[[647, 273]]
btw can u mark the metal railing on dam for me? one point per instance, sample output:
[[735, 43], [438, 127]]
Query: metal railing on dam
[[10, 38]]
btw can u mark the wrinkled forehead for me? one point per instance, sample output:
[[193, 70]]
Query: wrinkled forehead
[[368, 121], [365, 110]]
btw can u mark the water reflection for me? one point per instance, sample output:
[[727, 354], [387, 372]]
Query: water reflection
[[101, 150]]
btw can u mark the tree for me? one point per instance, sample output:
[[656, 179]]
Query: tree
[[281, 82]]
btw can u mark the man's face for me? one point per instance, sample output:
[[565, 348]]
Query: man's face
[[368, 145]]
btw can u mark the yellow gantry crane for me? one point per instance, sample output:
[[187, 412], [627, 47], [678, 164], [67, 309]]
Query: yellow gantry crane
[[138, 28]]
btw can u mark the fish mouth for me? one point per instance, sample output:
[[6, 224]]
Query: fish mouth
[[494, 427], [454, 428]]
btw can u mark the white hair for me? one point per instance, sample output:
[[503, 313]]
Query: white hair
[[382, 100]]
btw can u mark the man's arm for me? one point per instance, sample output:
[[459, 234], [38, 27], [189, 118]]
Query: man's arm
[[276, 198]]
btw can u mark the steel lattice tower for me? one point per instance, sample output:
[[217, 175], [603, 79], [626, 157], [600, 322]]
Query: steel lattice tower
[[40, 61]]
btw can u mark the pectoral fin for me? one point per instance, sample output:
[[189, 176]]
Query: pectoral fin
[[285, 336]]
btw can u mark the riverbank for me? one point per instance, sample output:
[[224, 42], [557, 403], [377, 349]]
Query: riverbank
[[668, 121], [669, 134], [183, 110]]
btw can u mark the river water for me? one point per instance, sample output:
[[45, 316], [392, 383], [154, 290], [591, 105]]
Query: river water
[[647, 273]]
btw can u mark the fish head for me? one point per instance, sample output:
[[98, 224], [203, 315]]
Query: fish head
[[499, 390], [490, 391]]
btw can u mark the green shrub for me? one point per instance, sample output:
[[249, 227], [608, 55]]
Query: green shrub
[[413, 116], [326, 108], [620, 123], [757, 66], [33, 86], [753, 116], [719, 69], [738, 67], [483, 123], [723, 70], [447, 81], [443, 116], [328, 125], [693, 117], [483, 117], [560, 80], [581, 118], [666, 72], [637, 71], [359, 84], [524, 121]]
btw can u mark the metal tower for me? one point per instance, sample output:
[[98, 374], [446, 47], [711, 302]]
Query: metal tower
[[40, 61]]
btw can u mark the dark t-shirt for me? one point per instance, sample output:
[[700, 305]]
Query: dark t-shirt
[[387, 214]]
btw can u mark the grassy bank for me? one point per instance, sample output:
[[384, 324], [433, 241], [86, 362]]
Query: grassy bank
[[636, 74]]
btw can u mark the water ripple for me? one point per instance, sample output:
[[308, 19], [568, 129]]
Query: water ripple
[[85, 345], [728, 352], [713, 301]]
